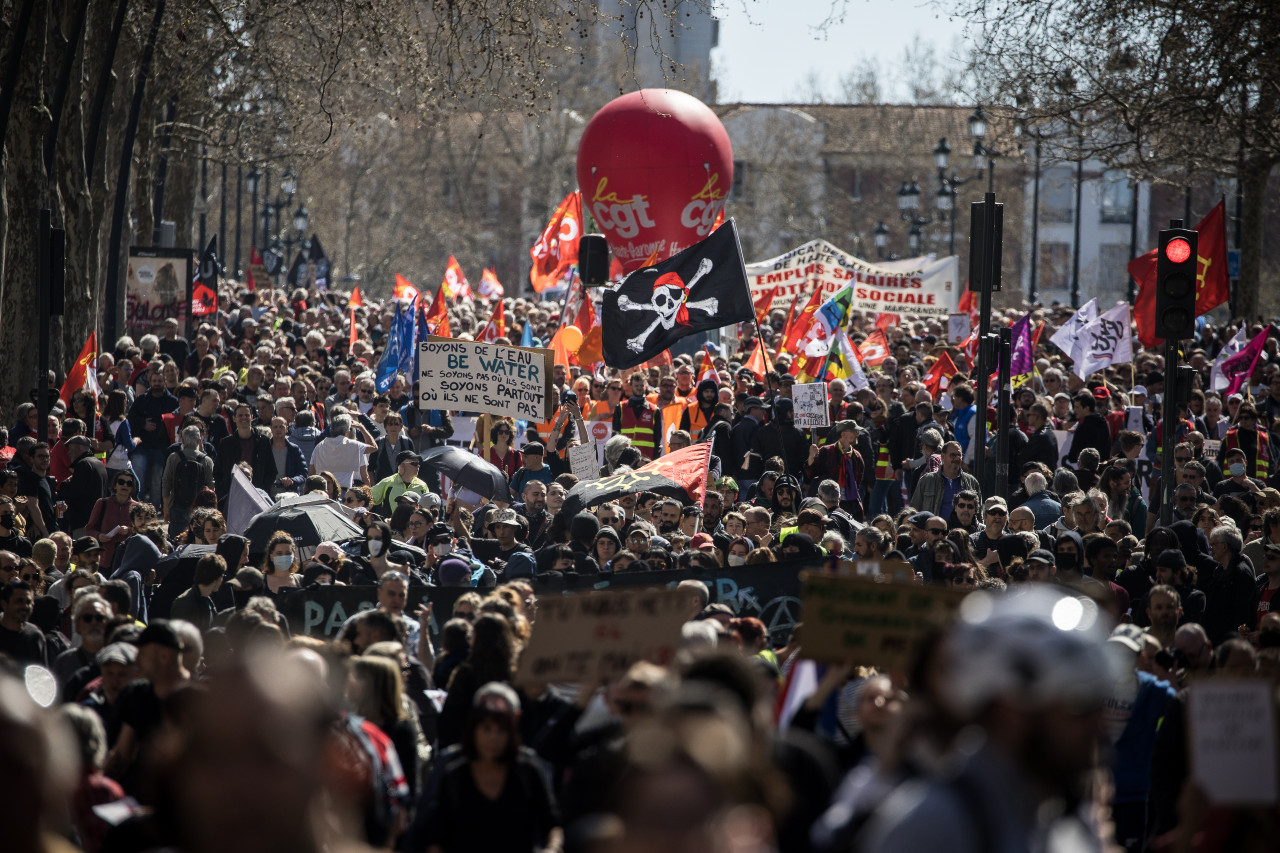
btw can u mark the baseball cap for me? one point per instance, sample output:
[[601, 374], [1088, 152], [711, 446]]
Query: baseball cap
[[506, 515], [124, 653], [1129, 636], [921, 517], [535, 448], [84, 544], [80, 440], [1041, 555], [1139, 389], [407, 456], [753, 403], [701, 539], [160, 633], [1101, 393], [440, 530], [409, 497]]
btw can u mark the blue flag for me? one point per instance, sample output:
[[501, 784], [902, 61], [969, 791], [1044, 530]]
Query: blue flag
[[526, 337], [395, 358]]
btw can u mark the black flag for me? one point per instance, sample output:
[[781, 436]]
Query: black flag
[[297, 276], [321, 262], [704, 287], [204, 286]]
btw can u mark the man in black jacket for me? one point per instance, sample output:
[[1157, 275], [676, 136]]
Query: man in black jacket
[[87, 483], [781, 437], [1230, 591], [146, 424], [244, 445], [1091, 428], [740, 438], [1042, 444]]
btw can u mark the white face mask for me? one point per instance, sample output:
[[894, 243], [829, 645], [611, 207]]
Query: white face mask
[[737, 560], [375, 547], [443, 549], [1236, 468], [283, 562]]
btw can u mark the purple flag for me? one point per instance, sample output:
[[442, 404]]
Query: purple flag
[[1239, 367], [1022, 359]]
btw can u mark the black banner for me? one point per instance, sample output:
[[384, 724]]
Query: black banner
[[770, 592]]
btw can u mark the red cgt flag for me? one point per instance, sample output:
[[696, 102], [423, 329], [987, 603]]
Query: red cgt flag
[[764, 302], [1212, 288], [455, 281], [874, 349], [438, 316], [795, 329], [84, 373], [404, 290], [557, 248], [938, 378], [496, 327]]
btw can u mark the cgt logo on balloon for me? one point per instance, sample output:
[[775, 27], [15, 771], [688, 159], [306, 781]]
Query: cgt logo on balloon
[[701, 211]]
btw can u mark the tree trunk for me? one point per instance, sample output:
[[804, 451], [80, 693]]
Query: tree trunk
[[1253, 301]]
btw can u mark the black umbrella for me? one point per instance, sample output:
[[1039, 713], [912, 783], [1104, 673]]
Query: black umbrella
[[308, 523], [681, 475], [469, 471]]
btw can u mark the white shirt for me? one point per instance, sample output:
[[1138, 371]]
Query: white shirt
[[341, 457]]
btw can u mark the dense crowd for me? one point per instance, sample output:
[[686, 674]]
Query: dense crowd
[[222, 727]]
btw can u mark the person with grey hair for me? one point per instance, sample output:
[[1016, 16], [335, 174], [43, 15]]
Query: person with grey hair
[[92, 786], [1065, 482], [1230, 590], [828, 492], [192, 644], [342, 456], [1044, 507], [613, 450], [187, 470]]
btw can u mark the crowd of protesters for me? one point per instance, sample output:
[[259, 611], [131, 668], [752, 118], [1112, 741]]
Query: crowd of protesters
[[220, 728]]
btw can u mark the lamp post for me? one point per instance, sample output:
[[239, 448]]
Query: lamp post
[[983, 156], [909, 207], [251, 181], [945, 199], [881, 239]]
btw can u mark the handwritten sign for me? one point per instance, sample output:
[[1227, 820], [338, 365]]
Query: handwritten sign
[[583, 461], [599, 635], [473, 376], [1232, 728], [810, 400], [867, 621]]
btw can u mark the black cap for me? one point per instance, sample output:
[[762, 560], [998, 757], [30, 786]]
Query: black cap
[[535, 448], [407, 456], [1041, 555], [753, 403], [85, 544], [439, 530], [160, 633]]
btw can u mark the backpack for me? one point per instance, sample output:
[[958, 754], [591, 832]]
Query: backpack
[[188, 479]]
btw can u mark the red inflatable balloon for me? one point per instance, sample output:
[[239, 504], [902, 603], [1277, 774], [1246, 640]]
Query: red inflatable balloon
[[654, 168]]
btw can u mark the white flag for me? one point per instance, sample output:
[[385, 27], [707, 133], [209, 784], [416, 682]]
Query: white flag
[[1106, 341], [1065, 338], [1218, 381]]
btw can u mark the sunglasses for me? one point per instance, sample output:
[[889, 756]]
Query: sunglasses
[[91, 617], [30, 577], [124, 483], [997, 511], [936, 532], [351, 499], [469, 615]]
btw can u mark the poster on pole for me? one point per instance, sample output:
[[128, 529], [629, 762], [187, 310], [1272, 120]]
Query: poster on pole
[[599, 635], [931, 289], [157, 287], [473, 376], [811, 409]]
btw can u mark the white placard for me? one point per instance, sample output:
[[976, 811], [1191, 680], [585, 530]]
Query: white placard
[[1064, 444], [958, 327], [472, 376], [583, 462], [810, 400], [1233, 740], [1211, 448], [1133, 419]]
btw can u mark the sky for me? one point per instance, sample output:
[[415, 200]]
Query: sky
[[769, 49]]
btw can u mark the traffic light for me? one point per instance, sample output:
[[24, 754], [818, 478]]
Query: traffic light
[[1176, 284]]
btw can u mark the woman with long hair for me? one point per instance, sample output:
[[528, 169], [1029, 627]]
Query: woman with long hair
[[110, 520], [115, 428], [280, 565], [493, 658], [375, 690], [501, 453], [494, 796]]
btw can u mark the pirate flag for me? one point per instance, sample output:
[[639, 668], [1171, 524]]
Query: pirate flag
[[204, 288], [703, 287], [321, 263]]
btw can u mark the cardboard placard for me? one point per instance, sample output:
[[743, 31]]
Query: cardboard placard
[[897, 571], [1212, 447], [867, 621], [810, 400], [1232, 731], [472, 376], [958, 327], [583, 462], [1133, 419], [600, 634]]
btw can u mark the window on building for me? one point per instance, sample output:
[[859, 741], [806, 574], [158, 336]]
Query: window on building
[[1058, 194], [1113, 269], [855, 185], [738, 192], [1117, 197], [1055, 266]]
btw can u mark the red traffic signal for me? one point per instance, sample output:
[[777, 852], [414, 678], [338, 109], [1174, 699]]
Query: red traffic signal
[[1177, 250]]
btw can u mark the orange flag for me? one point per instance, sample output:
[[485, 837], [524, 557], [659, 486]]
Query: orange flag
[[404, 290], [1212, 288], [875, 349], [938, 378], [559, 347], [557, 248], [496, 328], [792, 335], [763, 303], [438, 316], [490, 287], [356, 301], [455, 281], [84, 373], [759, 361], [651, 260], [588, 322]]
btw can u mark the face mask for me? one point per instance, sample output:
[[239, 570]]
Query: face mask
[[375, 547], [443, 549], [282, 563], [737, 560], [1236, 468], [1064, 561], [7, 519]]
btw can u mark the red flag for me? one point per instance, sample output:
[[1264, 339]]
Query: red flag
[[969, 305], [588, 322], [438, 316], [763, 303], [356, 301], [490, 287], [886, 321], [658, 360], [1212, 288], [938, 378], [204, 299], [615, 269], [557, 248], [255, 263], [759, 361], [719, 219], [875, 349], [84, 373], [455, 281], [404, 290], [686, 468], [970, 347], [792, 335], [496, 328], [651, 260]]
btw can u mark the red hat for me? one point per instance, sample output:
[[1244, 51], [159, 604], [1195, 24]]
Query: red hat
[[700, 539], [1101, 394]]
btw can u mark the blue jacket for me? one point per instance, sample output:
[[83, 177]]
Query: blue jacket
[[1046, 509], [1131, 763], [295, 467]]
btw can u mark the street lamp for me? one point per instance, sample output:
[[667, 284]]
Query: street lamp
[[978, 123], [251, 180], [251, 183], [942, 155], [289, 182], [300, 220], [913, 238], [881, 239]]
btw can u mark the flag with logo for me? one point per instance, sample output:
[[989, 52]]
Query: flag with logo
[[1239, 367], [874, 349], [204, 289], [556, 249], [1065, 338], [403, 289], [1022, 360], [398, 354], [827, 320], [1105, 342], [84, 373], [842, 363], [797, 325], [437, 317], [319, 262], [489, 287], [700, 288], [1219, 381], [937, 379], [496, 327], [1212, 286], [455, 282]]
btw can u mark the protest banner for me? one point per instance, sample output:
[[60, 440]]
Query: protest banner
[[583, 461], [899, 571], [867, 621], [930, 290], [1212, 447], [810, 400], [959, 326], [1232, 728], [473, 376], [157, 288], [600, 634]]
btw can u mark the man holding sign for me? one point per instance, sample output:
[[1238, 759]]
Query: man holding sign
[[842, 463]]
